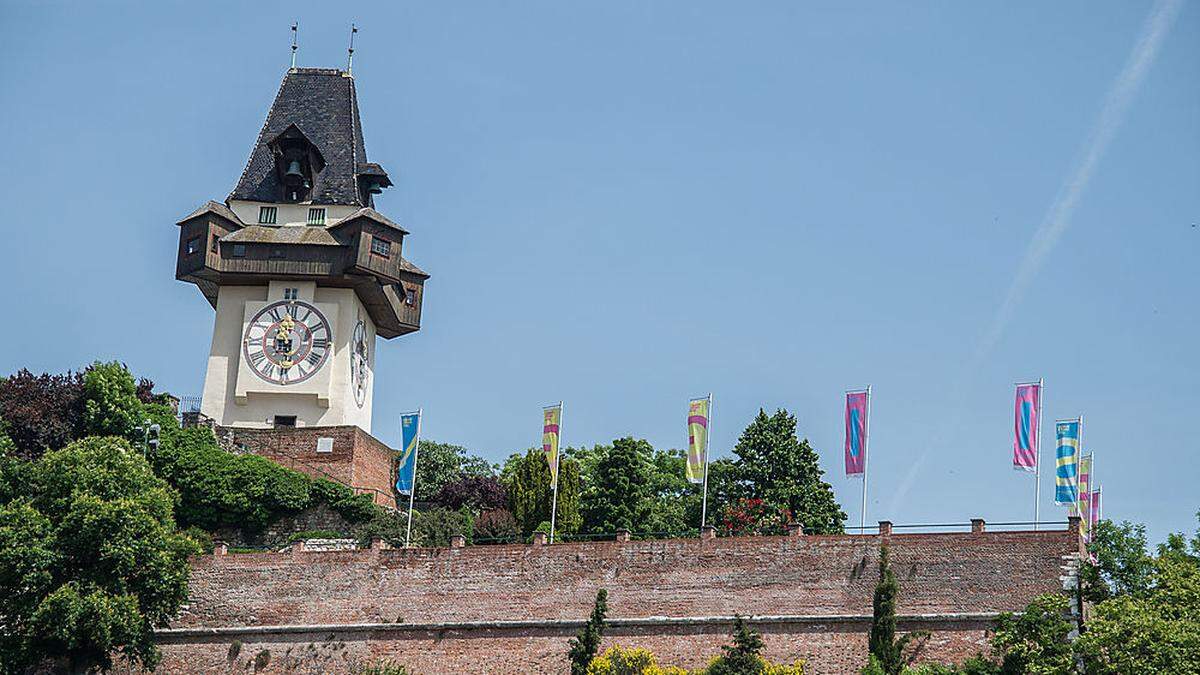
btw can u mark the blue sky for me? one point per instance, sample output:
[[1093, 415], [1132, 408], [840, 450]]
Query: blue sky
[[627, 204]]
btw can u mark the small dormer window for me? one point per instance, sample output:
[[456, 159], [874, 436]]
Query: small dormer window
[[316, 216], [239, 250], [267, 215], [193, 245], [216, 244], [381, 247]]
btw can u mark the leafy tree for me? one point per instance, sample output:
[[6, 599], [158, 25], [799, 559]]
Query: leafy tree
[[1121, 564], [620, 498], [585, 645], [90, 560], [774, 465], [886, 650], [41, 412], [478, 493], [111, 405], [1154, 626], [674, 502], [526, 479], [441, 463], [1035, 641]]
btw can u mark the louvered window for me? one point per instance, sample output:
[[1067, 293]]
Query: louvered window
[[316, 216], [267, 215]]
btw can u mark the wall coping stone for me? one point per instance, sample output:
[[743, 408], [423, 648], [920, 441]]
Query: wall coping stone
[[563, 623]]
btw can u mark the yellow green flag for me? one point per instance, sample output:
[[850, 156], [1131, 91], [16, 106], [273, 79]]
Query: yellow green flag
[[697, 422], [1085, 496], [551, 418]]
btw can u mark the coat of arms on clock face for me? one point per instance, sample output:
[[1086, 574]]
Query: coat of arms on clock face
[[287, 342], [360, 359]]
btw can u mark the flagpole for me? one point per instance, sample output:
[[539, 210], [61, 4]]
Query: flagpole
[[1078, 462], [866, 458], [707, 442], [1037, 459], [412, 492], [554, 472]]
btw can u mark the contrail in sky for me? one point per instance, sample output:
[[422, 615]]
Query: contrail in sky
[[1058, 216]]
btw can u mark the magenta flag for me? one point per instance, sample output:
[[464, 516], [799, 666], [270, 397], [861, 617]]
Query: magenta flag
[[1025, 442], [1094, 512], [856, 432]]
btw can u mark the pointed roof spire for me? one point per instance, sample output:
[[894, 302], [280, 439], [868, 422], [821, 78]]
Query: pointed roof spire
[[321, 103], [350, 58]]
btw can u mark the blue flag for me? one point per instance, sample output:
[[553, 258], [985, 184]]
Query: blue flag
[[1066, 474], [406, 469]]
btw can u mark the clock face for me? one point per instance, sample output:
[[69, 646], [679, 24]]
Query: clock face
[[360, 354], [287, 342]]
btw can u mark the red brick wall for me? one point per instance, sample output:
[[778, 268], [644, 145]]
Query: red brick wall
[[809, 580], [357, 460]]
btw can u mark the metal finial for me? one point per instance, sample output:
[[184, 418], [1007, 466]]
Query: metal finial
[[350, 59], [295, 25]]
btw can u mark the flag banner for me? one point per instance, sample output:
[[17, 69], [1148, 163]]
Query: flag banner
[[697, 424], [551, 419], [1066, 474], [406, 470], [856, 432], [1094, 509], [1025, 443]]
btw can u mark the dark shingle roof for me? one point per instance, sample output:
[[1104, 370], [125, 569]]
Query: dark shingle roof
[[322, 103]]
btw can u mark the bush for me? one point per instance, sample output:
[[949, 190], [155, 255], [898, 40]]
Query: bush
[[436, 526], [497, 527], [355, 508], [617, 660]]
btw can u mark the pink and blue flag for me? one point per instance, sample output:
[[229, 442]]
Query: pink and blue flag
[[856, 432], [1025, 442]]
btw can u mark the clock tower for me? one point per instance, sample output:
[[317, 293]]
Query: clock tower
[[303, 272]]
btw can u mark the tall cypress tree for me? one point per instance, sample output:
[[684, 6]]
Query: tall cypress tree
[[586, 645], [774, 465], [883, 645]]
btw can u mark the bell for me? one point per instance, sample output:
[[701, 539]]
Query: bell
[[375, 188], [293, 173]]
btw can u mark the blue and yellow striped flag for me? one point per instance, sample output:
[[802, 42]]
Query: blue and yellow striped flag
[[406, 467], [1066, 475]]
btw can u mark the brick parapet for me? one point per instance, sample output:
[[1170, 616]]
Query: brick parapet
[[355, 459]]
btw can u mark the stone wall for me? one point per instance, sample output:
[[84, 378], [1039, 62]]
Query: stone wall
[[511, 609]]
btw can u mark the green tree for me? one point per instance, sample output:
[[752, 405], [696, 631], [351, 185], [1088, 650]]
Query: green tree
[[585, 645], [1122, 566], [886, 650], [441, 463], [111, 405], [90, 560], [1152, 623], [1035, 641], [620, 498], [436, 526], [743, 657], [526, 480], [774, 465]]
